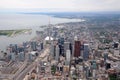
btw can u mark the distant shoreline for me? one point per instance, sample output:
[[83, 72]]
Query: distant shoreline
[[74, 15]]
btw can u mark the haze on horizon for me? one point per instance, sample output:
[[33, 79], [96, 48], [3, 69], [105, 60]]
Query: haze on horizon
[[59, 5]]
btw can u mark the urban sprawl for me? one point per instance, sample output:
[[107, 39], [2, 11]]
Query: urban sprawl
[[87, 50]]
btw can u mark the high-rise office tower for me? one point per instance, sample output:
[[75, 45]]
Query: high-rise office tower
[[24, 44], [33, 45], [21, 49], [13, 48], [12, 55], [61, 41], [71, 48], [39, 46], [42, 46], [66, 47], [77, 48], [68, 57], [21, 56], [82, 49], [57, 53], [61, 46], [86, 52], [52, 52], [30, 57]]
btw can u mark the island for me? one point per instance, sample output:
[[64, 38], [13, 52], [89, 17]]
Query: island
[[10, 33]]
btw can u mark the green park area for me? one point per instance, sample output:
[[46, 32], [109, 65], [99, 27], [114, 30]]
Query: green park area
[[13, 32]]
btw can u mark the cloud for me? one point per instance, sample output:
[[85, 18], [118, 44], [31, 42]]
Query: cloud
[[69, 5], [98, 5], [36, 3]]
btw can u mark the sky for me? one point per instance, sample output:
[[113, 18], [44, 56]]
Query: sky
[[59, 5]]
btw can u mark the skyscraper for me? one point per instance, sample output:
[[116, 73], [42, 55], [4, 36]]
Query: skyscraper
[[66, 47], [52, 52], [21, 49], [21, 56], [30, 57], [68, 57], [33, 45], [24, 44], [42, 46], [12, 56], [13, 48], [61, 41], [77, 48], [86, 52], [57, 53], [61, 46]]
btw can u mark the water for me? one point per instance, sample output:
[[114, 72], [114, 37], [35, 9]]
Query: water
[[22, 21]]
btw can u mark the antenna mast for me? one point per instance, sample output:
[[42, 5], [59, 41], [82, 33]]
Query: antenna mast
[[49, 31]]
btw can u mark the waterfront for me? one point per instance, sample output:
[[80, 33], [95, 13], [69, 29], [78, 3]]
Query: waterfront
[[75, 50], [25, 21]]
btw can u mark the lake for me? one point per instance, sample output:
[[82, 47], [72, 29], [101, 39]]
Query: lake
[[23, 21]]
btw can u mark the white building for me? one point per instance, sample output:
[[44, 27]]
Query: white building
[[66, 47], [48, 38], [68, 57], [57, 53]]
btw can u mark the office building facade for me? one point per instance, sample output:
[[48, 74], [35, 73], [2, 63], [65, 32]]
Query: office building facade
[[77, 50]]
